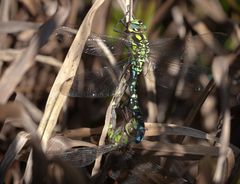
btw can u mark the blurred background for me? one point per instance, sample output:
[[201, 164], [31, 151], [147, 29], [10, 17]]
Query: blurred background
[[210, 28]]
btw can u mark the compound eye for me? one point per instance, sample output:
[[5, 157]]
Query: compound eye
[[135, 26]]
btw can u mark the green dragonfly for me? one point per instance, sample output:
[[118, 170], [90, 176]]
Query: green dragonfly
[[161, 56]]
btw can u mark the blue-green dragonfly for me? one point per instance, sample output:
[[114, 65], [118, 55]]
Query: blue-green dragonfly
[[164, 60], [169, 51]]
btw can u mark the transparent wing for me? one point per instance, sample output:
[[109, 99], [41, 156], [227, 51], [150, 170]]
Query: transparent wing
[[94, 42], [116, 46], [81, 157], [169, 56], [166, 49], [177, 48], [167, 74], [99, 83]]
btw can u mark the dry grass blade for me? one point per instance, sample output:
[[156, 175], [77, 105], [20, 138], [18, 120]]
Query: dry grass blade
[[18, 68], [17, 26], [200, 27], [15, 148], [192, 114], [5, 6], [178, 18], [11, 54], [212, 8], [4, 17], [16, 112], [33, 111], [161, 13], [68, 70], [156, 129], [32, 6], [220, 73], [195, 109], [122, 5], [187, 151], [82, 132]]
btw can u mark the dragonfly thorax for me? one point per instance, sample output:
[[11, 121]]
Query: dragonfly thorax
[[139, 49]]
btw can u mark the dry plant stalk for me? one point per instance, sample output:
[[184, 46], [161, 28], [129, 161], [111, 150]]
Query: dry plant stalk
[[220, 69], [14, 149], [111, 114], [56, 100], [21, 66], [10, 54], [23, 63]]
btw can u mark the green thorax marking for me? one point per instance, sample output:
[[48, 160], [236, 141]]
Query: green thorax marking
[[139, 44]]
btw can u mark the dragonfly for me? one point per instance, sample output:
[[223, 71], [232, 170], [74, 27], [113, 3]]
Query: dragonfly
[[162, 57], [84, 156]]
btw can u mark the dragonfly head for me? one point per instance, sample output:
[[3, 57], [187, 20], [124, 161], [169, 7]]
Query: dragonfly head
[[136, 26]]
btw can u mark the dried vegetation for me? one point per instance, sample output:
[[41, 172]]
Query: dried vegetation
[[196, 138]]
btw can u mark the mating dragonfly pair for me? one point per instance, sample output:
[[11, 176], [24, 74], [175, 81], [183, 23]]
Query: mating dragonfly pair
[[163, 57]]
